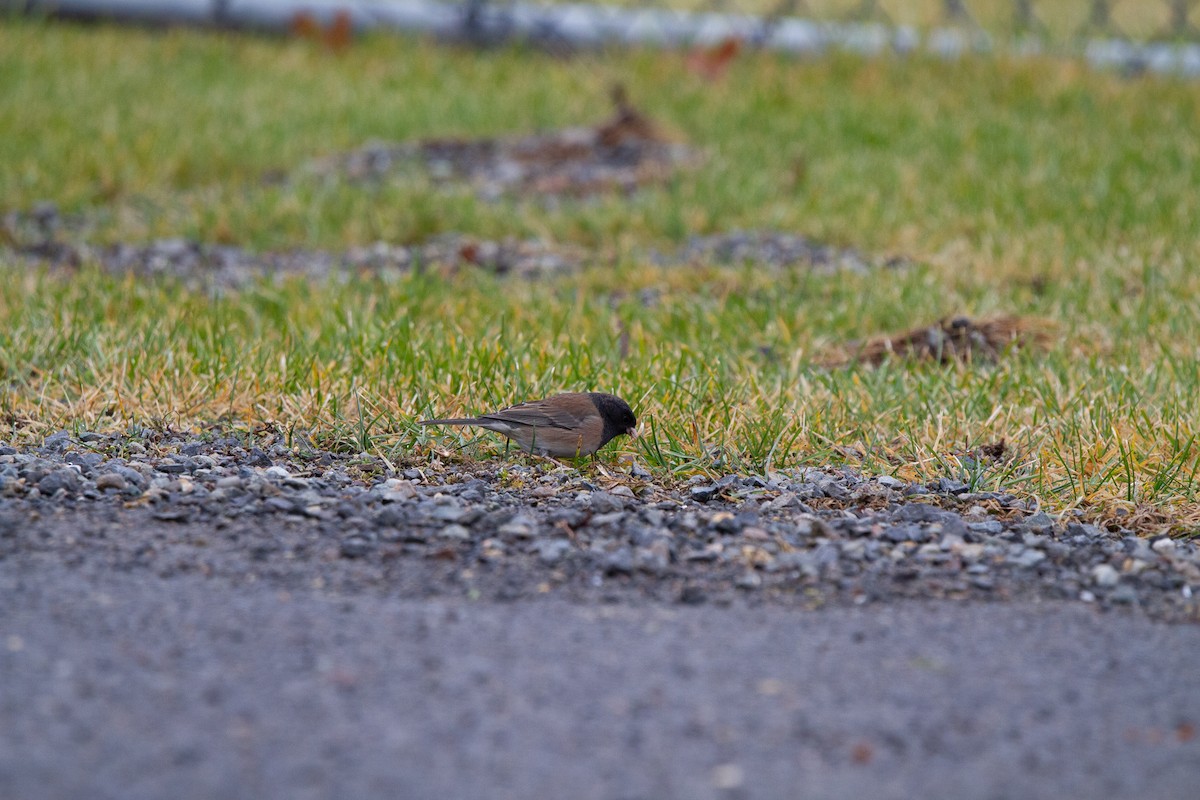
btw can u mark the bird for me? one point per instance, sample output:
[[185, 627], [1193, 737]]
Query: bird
[[566, 425]]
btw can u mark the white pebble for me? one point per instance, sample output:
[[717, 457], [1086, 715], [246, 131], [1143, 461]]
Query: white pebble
[[1105, 575]]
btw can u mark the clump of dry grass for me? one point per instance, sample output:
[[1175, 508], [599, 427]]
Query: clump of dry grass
[[949, 340]]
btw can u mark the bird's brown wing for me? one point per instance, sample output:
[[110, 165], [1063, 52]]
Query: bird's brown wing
[[541, 414]]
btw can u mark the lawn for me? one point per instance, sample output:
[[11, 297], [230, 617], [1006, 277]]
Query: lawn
[[1035, 187]]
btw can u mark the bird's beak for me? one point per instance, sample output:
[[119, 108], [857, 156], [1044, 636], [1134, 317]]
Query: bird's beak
[[632, 432]]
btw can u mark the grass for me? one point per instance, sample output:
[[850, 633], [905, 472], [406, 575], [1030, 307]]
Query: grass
[[1034, 187]]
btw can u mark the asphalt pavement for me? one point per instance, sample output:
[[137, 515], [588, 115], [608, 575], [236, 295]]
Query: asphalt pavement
[[127, 684]]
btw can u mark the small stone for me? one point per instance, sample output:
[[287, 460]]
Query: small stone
[[1039, 521], [519, 527], [283, 505], [1164, 546], [604, 520], [748, 580], [450, 512], [725, 522], [969, 552], [622, 491], [85, 461], [397, 491], [356, 545], [1124, 594], [605, 503], [951, 486], [784, 500], [889, 481], [702, 494], [229, 482], [654, 559], [552, 551], [173, 514], [756, 534], [1105, 575], [1027, 558], [111, 480], [833, 489], [66, 479], [619, 562], [692, 595], [57, 441], [457, 532], [1090, 531]]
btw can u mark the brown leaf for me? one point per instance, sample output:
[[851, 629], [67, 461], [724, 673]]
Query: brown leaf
[[711, 63]]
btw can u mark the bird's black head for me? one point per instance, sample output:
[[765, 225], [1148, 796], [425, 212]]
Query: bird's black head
[[618, 416]]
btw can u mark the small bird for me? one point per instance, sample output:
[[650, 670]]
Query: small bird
[[567, 425]]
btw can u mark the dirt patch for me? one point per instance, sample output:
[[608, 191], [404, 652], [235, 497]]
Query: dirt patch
[[201, 263], [627, 151], [778, 250], [950, 340], [44, 236]]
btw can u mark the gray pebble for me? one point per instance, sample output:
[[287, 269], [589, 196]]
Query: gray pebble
[[748, 580], [619, 562], [551, 551], [1124, 594], [951, 486], [356, 545], [66, 479], [1028, 557], [456, 532], [1105, 575], [521, 526], [1039, 521], [605, 503], [111, 480], [449, 512]]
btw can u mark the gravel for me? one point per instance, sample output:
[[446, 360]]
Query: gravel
[[204, 264], [774, 249], [41, 236], [255, 510]]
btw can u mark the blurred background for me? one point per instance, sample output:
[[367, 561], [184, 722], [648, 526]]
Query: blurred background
[[1151, 34]]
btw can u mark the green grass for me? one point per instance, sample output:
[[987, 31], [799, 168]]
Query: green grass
[[1035, 187]]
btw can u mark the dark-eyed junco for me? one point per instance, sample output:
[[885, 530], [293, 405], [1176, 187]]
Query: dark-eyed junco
[[566, 425]]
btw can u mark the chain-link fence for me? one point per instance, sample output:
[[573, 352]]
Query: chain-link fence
[[1161, 35], [1057, 20]]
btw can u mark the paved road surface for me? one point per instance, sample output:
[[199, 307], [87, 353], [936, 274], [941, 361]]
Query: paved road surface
[[130, 686]]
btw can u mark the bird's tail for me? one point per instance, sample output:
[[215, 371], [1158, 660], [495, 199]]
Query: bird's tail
[[461, 421]]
